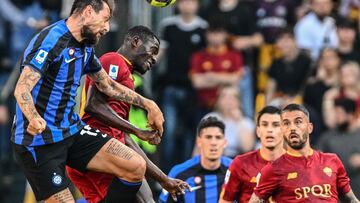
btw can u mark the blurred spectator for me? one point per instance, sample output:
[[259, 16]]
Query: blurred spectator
[[182, 35], [205, 173], [349, 87], [275, 15], [346, 31], [326, 77], [239, 19], [344, 140], [349, 9], [212, 68], [240, 130], [317, 30], [288, 73]]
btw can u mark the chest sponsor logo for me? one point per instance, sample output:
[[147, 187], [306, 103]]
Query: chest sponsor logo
[[327, 171], [113, 71], [292, 175], [315, 190], [41, 56]]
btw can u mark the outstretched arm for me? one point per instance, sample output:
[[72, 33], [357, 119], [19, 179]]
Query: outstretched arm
[[28, 79], [349, 198], [119, 92], [98, 108]]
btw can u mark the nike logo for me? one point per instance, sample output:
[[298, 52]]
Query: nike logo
[[68, 61], [195, 188]]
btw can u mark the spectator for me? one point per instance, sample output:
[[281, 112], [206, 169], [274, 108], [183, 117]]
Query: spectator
[[288, 74], [205, 173], [324, 36], [344, 140], [349, 87], [182, 35], [212, 68], [346, 31], [240, 130]]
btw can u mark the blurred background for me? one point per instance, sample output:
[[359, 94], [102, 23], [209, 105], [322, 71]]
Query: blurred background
[[224, 57]]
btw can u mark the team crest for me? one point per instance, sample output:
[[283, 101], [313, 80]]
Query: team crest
[[328, 171], [253, 180], [71, 52], [197, 180], [207, 65], [226, 64], [57, 179]]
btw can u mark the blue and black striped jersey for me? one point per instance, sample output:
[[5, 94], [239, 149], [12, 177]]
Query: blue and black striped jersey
[[61, 61], [207, 183]]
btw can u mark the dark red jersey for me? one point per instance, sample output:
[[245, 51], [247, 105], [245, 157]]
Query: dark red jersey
[[240, 179], [319, 178], [119, 69]]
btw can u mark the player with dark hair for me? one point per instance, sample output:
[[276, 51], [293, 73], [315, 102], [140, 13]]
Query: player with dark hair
[[47, 133], [241, 177], [205, 172], [137, 54], [302, 174]]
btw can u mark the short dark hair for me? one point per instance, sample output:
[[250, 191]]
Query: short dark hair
[[268, 110], [210, 121], [296, 107], [80, 5], [347, 104], [345, 23], [287, 31], [143, 32]]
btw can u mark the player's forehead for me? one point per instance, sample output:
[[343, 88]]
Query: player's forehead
[[293, 115], [270, 118], [211, 131], [105, 11]]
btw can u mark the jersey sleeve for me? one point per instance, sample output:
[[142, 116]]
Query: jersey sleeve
[[343, 181], [41, 52], [232, 182], [267, 183], [93, 64], [115, 66]]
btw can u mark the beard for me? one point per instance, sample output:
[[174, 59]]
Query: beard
[[89, 36], [297, 145], [343, 127]]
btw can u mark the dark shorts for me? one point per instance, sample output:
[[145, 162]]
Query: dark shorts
[[44, 166]]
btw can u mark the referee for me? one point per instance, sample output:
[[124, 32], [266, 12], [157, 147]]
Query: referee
[[205, 173]]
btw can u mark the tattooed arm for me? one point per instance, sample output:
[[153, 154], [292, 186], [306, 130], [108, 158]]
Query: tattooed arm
[[349, 198], [28, 79], [256, 199], [119, 92]]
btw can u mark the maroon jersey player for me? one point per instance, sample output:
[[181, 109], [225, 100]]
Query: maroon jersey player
[[302, 174], [241, 176]]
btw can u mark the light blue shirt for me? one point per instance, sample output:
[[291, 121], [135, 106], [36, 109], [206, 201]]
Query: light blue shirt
[[314, 35]]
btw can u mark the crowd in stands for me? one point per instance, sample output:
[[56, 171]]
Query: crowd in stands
[[230, 58]]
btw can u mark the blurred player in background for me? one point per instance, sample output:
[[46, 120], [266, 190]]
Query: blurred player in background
[[241, 177], [302, 174], [110, 116], [205, 173]]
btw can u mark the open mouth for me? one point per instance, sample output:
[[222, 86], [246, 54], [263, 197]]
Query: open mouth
[[294, 136], [269, 138]]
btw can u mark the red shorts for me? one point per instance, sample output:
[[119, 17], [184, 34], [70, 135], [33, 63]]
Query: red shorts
[[93, 185]]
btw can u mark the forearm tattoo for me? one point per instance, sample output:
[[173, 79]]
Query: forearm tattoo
[[25, 84], [63, 196], [115, 90], [117, 149]]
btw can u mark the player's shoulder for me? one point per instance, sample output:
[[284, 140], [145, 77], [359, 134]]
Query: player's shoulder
[[327, 156], [113, 56], [179, 168], [243, 159]]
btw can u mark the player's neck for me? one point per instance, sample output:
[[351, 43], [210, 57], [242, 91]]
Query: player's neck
[[74, 25], [271, 155], [210, 165], [122, 50], [306, 151]]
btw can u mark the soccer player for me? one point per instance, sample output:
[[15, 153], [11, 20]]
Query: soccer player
[[110, 116], [241, 177], [302, 174], [205, 172], [47, 133]]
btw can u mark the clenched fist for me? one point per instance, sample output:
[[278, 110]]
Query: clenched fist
[[36, 126]]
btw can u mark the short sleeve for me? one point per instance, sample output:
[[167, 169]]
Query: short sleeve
[[232, 182], [343, 181], [268, 181], [115, 66], [93, 64]]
